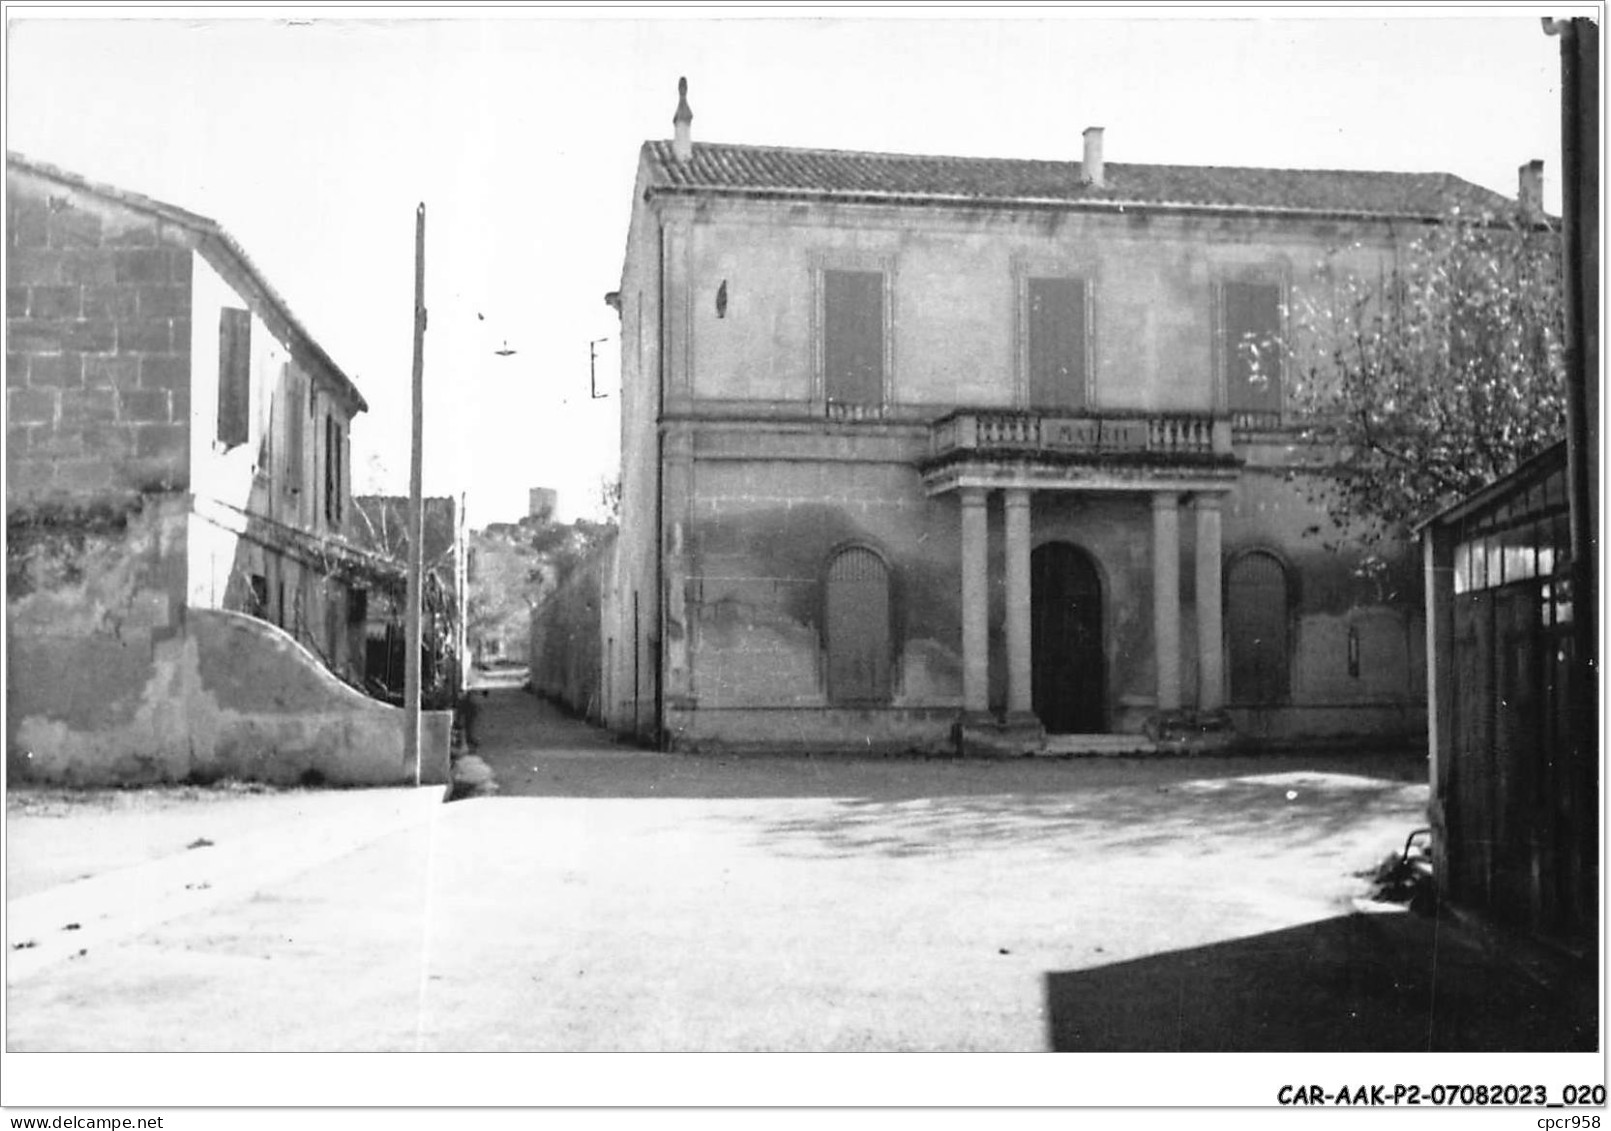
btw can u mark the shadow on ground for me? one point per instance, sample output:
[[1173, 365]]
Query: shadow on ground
[[533, 750], [1191, 810], [1356, 983], [906, 806]]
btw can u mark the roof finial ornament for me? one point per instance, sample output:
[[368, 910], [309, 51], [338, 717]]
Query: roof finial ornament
[[682, 144]]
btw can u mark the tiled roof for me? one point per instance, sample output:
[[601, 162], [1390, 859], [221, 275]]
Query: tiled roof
[[208, 232], [763, 170]]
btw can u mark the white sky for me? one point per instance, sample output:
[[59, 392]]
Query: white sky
[[312, 141]]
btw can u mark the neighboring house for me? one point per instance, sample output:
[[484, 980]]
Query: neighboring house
[[180, 588], [1514, 799], [911, 441], [380, 524]]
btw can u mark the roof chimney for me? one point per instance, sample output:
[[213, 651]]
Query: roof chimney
[[1091, 173], [682, 142], [1530, 190]]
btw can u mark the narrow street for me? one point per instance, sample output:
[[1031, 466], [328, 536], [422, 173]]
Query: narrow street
[[603, 897]]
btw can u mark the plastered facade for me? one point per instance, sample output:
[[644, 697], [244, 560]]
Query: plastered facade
[[741, 481]]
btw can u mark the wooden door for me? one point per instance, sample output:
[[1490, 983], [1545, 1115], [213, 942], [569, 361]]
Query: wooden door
[[1069, 683], [1256, 621]]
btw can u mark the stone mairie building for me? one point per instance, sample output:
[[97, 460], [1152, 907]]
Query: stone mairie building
[[915, 441]]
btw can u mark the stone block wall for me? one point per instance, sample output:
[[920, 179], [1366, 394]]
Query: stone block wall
[[98, 347]]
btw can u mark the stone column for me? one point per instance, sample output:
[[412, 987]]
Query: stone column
[[975, 603], [1210, 630], [1019, 667], [1166, 596]]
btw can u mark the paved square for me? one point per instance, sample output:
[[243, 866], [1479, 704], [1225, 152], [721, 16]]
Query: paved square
[[606, 898]]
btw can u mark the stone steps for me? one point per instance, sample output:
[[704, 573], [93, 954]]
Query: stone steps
[[1085, 745]]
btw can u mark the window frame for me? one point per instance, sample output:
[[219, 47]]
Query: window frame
[[1277, 276], [1026, 269], [823, 263]]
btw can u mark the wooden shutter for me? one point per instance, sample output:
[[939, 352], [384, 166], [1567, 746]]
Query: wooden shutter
[[329, 469], [857, 628], [853, 336], [234, 376], [1056, 343], [1256, 619], [1251, 320], [341, 469], [294, 446]]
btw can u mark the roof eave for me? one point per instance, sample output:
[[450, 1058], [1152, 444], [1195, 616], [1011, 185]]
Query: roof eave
[[1486, 494], [221, 243], [961, 200]]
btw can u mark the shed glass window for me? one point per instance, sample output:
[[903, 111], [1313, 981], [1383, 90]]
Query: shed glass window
[[1524, 552], [853, 337]]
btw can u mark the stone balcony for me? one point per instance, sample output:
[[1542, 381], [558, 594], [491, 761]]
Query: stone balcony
[[1107, 451]]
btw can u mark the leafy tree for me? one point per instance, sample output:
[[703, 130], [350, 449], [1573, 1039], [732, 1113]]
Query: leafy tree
[[610, 499], [561, 547], [1430, 380]]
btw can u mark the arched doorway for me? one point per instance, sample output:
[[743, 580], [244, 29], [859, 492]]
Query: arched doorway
[[1069, 684], [856, 627], [1256, 622]]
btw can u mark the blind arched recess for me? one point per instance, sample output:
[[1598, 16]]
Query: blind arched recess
[[856, 625]]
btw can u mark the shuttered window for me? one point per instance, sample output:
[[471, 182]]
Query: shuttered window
[[294, 426], [1250, 340], [857, 626], [234, 376], [333, 486], [329, 469], [1056, 343], [1256, 620], [341, 473], [853, 337]]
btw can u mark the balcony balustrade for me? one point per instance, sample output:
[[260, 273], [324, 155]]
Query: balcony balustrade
[[1163, 436]]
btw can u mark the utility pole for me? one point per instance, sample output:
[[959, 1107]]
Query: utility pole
[[1580, 216], [416, 510]]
